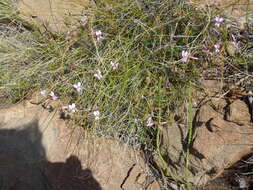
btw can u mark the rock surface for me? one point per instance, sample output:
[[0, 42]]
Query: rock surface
[[39, 151], [211, 87], [223, 142], [62, 15], [220, 139], [238, 112], [54, 15], [238, 11]]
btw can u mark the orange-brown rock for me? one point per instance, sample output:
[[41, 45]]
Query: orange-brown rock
[[213, 137], [223, 142], [54, 15], [235, 10], [219, 104], [212, 87], [216, 142], [206, 113], [38, 150], [238, 112]]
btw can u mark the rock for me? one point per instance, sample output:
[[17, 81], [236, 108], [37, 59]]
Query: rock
[[218, 104], [56, 15], [38, 150], [222, 143], [212, 87], [238, 112], [37, 98], [216, 143], [173, 139], [154, 186], [205, 113], [235, 10], [212, 138]]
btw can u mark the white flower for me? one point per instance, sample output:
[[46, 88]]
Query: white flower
[[53, 96], [114, 65], [150, 122], [235, 43], [185, 56], [218, 20], [84, 20], [242, 183], [99, 35], [78, 86], [174, 186], [43, 92], [72, 107], [217, 47], [96, 114], [98, 75]]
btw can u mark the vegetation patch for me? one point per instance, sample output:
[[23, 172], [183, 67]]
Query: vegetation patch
[[125, 71]]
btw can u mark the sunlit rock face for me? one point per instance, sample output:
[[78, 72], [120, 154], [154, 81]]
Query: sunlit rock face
[[61, 16], [236, 11], [221, 136], [54, 15], [39, 151]]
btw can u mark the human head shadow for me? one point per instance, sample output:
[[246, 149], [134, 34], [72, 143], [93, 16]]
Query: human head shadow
[[24, 165]]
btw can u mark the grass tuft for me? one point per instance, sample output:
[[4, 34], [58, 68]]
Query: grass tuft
[[145, 39]]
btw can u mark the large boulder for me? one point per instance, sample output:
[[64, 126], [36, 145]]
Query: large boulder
[[237, 11], [220, 138], [58, 16], [38, 150]]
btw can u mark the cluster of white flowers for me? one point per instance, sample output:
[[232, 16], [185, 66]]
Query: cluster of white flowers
[[72, 107], [43, 92], [114, 65], [51, 94], [78, 87], [218, 20], [185, 56], [84, 20], [217, 47], [99, 35], [235, 43], [150, 122], [98, 75], [96, 114]]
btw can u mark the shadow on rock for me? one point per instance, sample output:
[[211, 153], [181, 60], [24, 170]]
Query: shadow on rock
[[70, 175], [24, 166]]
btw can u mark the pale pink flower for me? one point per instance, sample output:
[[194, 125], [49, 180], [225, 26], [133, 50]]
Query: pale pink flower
[[234, 42], [114, 65], [218, 20], [84, 20], [150, 122], [99, 35], [217, 47], [96, 114], [185, 56], [43, 92], [53, 96], [98, 74], [236, 45], [72, 107], [78, 86]]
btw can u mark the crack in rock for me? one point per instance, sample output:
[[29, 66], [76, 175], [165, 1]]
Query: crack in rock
[[127, 176]]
